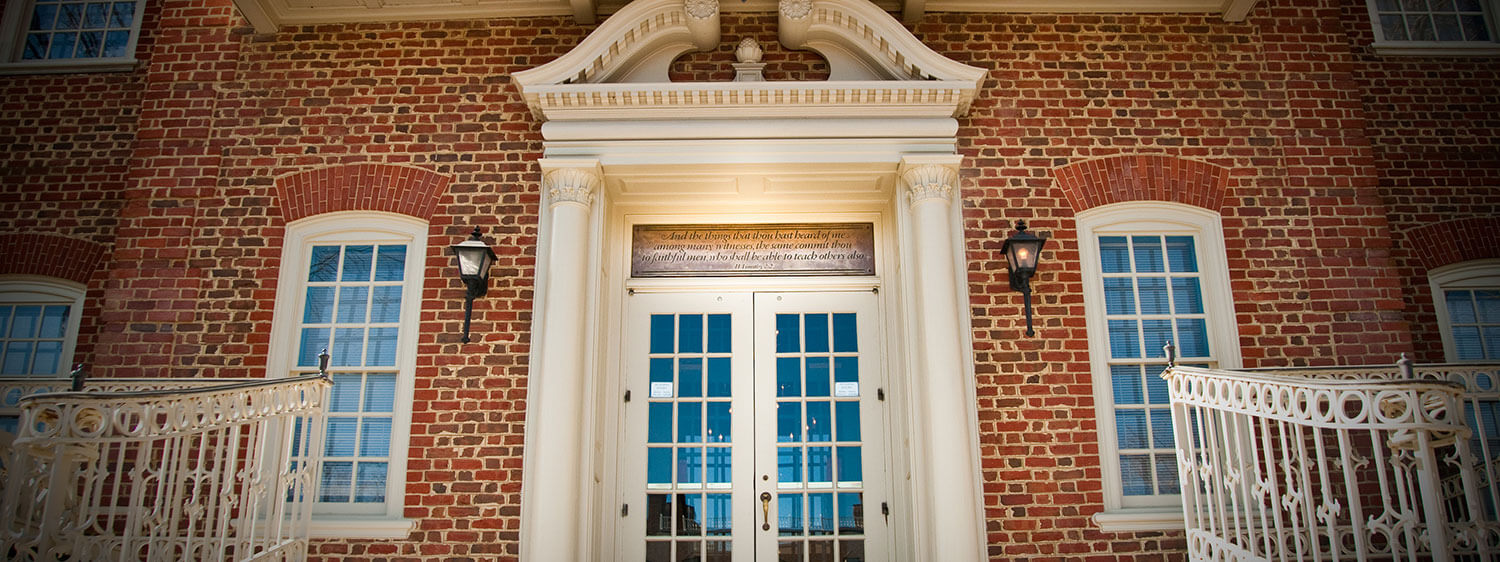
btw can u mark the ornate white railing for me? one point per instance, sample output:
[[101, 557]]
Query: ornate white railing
[[1358, 463], [145, 469]]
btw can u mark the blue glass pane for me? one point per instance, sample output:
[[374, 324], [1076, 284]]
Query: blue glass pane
[[719, 519], [37, 45], [851, 514], [319, 307], [1465, 341], [48, 354], [690, 333], [71, 17], [375, 437], [17, 359], [661, 369], [718, 377], [1114, 254], [115, 43], [845, 369], [1158, 333], [718, 333], [1148, 254], [1491, 345], [386, 307], [1181, 255], [1460, 306], [788, 422], [848, 420], [43, 16], [370, 486], [5, 320], [325, 264], [788, 334], [352, 302], [820, 514], [1125, 380], [1187, 296], [314, 341], [381, 351], [851, 467], [789, 515], [1153, 294], [345, 395], [818, 383], [720, 469], [341, 437], [1193, 336], [659, 465], [1124, 340], [1135, 474], [789, 464], [661, 333], [338, 478], [788, 376], [819, 421], [122, 14], [1156, 387], [62, 44], [1166, 475], [659, 423], [820, 464], [348, 347], [690, 377], [95, 16], [357, 262], [25, 322], [689, 521], [718, 422], [1161, 428], [817, 333], [390, 263], [845, 334], [54, 322], [690, 422], [689, 465], [1489, 306], [1130, 425], [1119, 296], [380, 392]]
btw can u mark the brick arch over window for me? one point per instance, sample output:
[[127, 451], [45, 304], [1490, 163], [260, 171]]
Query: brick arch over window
[[361, 187], [1142, 177], [50, 255], [1454, 241]]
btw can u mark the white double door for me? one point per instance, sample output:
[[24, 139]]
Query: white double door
[[753, 429]]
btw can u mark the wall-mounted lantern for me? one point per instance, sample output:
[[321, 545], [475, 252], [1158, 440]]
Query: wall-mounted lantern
[[1022, 252], [474, 259]]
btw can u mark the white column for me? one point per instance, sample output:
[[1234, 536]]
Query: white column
[[945, 428], [553, 478]]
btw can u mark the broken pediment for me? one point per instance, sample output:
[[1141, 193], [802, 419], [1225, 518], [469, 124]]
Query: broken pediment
[[877, 67]]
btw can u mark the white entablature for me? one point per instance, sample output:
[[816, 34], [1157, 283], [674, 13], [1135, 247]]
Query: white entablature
[[877, 68]]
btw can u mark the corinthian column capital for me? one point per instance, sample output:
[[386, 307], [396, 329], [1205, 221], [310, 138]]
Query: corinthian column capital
[[571, 184], [929, 181]]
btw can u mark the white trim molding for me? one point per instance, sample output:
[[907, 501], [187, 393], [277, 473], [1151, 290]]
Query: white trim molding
[[42, 290], [1473, 274]]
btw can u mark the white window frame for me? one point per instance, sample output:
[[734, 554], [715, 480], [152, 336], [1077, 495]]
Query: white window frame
[[1157, 512], [1383, 46], [13, 27], [37, 289], [374, 520], [1473, 274]]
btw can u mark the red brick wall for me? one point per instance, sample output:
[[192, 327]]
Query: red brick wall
[[1434, 127]]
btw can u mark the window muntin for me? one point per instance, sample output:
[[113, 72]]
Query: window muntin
[[1430, 21]]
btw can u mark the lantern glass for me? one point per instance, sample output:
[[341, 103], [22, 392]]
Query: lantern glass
[[473, 261], [1022, 252]]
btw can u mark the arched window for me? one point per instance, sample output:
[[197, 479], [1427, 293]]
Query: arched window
[[351, 283], [1154, 272], [1466, 297], [38, 325]]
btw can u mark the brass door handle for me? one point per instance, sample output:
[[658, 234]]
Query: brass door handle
[[765, 511]]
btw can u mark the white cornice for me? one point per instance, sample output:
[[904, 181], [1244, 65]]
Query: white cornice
[[750, 100]]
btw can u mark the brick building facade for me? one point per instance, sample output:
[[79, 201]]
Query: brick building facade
[[1341, 174]]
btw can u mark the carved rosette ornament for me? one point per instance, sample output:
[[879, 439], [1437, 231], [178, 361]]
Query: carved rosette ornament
[[796, 9], [929, 181], [571, 185], [701, 9]]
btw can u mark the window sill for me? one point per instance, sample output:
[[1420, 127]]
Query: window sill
[[1435, 49], [357, 527], [68, 67], [1140, 519]]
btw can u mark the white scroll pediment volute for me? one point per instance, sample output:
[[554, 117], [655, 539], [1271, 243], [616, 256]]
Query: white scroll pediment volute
[[863, 42], [636, 44]]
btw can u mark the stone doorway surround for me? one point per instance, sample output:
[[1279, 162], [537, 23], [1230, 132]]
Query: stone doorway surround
[[878, 138]]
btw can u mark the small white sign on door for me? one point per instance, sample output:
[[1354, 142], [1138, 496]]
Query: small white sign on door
[[661, 390], [846, 389]]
